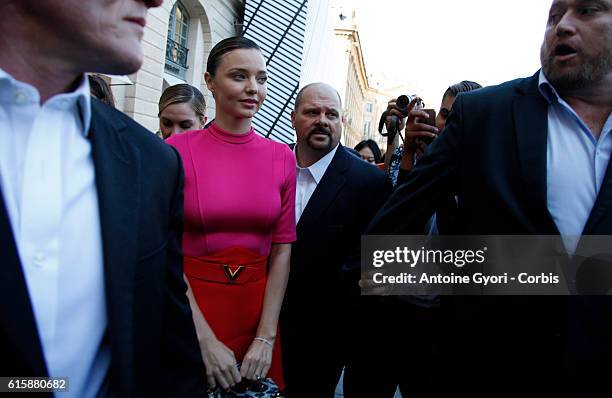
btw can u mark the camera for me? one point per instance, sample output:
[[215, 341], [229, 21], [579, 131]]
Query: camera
[[401, 103]]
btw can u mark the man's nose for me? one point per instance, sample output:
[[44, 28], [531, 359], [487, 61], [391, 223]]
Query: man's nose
[[322, 119], [567, 24]]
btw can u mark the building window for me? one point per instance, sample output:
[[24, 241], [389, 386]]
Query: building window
[[369, 107], [176, 46], [366, 128]]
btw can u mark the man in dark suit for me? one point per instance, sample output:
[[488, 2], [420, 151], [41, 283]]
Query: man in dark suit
[[530, 156], [337, 195], [91, 281]]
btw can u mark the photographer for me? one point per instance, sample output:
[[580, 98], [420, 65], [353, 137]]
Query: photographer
[[395, 118], [421, 127]]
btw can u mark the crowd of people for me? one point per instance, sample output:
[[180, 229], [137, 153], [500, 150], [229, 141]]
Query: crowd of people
[[209, 261]]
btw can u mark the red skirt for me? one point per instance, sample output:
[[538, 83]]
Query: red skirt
[[229, 287]]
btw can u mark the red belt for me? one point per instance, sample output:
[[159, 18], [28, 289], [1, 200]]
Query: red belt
[[235, 265]]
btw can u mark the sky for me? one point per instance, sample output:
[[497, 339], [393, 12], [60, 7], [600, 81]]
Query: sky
[[431, 44]]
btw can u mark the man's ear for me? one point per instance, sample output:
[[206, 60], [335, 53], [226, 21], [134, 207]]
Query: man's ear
[[293, 119]]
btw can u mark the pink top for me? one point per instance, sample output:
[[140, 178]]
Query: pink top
[[239, 191]]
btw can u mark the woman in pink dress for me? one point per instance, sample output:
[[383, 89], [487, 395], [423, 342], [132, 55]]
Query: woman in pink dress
[[239, 222]]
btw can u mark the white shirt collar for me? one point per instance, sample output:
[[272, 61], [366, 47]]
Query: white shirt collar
[[319, 168], [80, 96]]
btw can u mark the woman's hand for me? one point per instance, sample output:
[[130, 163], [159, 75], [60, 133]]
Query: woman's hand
[[415, 130], [391, 112], [220, 364], [257, 360]]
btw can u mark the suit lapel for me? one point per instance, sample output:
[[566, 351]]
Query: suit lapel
[[117, 165], [327, 190], [531, 122], [17, 320]]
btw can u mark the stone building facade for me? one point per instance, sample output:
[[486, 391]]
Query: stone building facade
[[177, 40], [353, 86]]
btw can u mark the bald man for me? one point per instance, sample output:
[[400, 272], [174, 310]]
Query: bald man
[[337, 196]]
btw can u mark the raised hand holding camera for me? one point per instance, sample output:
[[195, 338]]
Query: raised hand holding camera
[[392, 120], [420, 126]]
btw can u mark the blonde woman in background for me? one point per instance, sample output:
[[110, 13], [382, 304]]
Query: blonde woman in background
[[181, 108]]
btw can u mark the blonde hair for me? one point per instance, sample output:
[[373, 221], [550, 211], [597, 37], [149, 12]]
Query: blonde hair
[[183, 93]]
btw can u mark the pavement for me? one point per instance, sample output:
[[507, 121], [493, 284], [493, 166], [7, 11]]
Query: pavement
[[340, 394]]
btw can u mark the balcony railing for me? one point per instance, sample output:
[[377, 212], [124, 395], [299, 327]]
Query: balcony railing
[[176, 54]]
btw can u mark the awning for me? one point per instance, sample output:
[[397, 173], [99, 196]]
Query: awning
[[119, 80], [173, 80]]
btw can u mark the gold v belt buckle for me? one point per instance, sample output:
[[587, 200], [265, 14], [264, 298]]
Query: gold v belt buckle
[[232, 275]]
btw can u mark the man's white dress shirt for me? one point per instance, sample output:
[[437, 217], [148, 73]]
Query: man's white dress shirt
[[47, 180], [307, 180]]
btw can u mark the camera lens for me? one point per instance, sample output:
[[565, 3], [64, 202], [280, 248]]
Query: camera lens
[[402, 102]]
